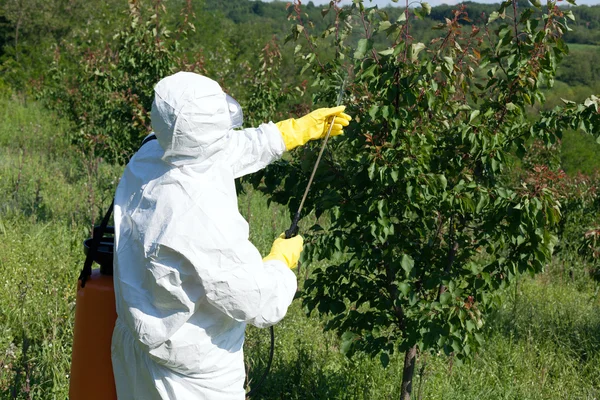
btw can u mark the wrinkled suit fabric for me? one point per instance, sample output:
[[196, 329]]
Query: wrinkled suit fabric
[[187, 279]]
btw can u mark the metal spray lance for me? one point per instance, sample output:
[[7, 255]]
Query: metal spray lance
[[293, 231]]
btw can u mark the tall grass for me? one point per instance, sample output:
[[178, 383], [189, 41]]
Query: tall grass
[[543, 344], [49, 196]]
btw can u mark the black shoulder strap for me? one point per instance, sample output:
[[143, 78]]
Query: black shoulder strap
[[97, 234], [148, 138]]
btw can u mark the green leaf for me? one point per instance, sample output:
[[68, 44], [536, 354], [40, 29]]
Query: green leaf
[[404, 288], [363, 46], [449, 62], [483, 201], [337, 307], [371, 171], [373, 112], [470, 325], [369, 72], [536, 3], [348, 339], [495, 165], [443, 181], [569, 14], [479, 338], [387, 52], [384, 358], [384, 25], [445, 298], [419, 13], [592, 101], [426, 7], [415, 50], [474, 115], [381, 206], [407, 263], [505, 32], [493, 16]]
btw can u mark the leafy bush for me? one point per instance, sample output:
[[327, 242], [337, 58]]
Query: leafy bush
[[425, 228], [110, 98]]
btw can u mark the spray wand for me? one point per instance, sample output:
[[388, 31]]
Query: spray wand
[[293, 231]]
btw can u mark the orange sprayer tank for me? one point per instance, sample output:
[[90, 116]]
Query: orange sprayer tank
[[95, 316]]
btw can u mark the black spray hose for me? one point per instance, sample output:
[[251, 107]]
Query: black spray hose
[[268, 368]]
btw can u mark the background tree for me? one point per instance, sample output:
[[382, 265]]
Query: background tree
[[110, 97]]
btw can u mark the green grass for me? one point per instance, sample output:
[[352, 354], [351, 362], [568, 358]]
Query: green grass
[[49, 195], [586, 47], [543, 344]]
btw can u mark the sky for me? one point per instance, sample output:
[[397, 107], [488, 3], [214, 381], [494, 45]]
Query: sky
[[383, 3]]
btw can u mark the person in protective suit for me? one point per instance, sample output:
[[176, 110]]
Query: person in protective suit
[[187, 279]]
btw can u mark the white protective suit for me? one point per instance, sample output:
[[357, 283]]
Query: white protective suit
[[187, 280]]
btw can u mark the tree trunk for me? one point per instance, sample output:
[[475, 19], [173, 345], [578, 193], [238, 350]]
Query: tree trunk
[[410, 358]]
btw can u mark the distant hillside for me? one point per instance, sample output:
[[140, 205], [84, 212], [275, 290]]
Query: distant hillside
[[34, 32]]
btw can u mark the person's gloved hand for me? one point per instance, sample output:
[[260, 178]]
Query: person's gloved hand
[[314, 125], [286, 250]]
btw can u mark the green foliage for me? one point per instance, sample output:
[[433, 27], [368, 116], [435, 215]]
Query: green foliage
[[30, 31], [590, 249], [579, 153], [578, 229], [110, 98], [585, 28], [46, 198], [103, 83], [580, 205], [425, 229], [267, 89], [582, 67], [222, 39]]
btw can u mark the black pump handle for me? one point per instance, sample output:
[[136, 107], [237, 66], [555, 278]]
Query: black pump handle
[[293, 231], [98, 233]]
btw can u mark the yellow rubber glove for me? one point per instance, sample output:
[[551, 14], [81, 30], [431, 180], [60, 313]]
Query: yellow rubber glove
[[314, 125], [286, 250]]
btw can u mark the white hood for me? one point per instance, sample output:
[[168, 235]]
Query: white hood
[[190, 117]]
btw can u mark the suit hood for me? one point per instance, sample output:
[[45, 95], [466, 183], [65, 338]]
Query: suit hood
[[190, 117]]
